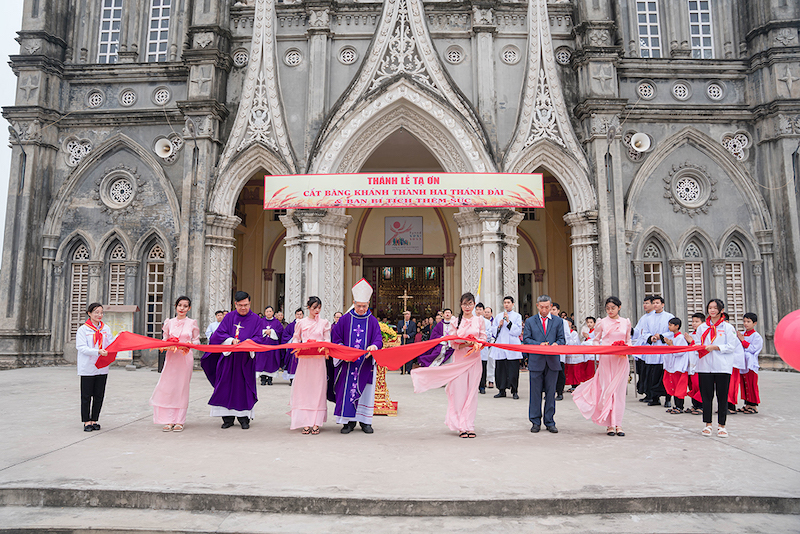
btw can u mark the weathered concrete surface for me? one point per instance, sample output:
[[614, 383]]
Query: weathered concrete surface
[[412, 465]]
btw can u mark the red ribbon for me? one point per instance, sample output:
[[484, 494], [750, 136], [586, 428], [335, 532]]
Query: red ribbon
[[391, 358]]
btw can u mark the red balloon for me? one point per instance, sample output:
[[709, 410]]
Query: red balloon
[[787, 339]]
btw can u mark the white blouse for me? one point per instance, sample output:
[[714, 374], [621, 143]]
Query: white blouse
[[87, 352], [717, 361]]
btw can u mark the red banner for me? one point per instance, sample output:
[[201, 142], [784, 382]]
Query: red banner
[[392, 358]]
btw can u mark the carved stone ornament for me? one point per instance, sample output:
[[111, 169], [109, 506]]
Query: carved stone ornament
[[757, 268], [677, 268], [58, 268], [28, 131], [718, 267], [690, 188], [260, 118], [737, 144], [117, 191], [482, 17], [319, 18], [29, 86], [599, 37], [76, 149], [788, 81], [601, 124], [203, 39], [402, 56], [32, 48], [543, 114], [787, 124], [785, 36]]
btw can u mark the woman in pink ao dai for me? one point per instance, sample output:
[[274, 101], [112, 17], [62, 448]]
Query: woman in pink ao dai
[[310, 385], [170, 399], [602, 397], [462, 376]]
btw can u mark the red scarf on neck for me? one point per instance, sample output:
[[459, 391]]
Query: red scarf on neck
[[97, 339], [711, 333]]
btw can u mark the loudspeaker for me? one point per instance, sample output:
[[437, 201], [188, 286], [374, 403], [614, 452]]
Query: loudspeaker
[[640, 142], [163, 148]]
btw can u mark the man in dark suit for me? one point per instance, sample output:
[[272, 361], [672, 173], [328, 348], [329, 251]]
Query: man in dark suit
[[407, 330], [543, 329]]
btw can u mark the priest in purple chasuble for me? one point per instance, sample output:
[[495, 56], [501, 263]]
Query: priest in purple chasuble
[[268, 363], [233, 374], [354, 382], [440, 353]]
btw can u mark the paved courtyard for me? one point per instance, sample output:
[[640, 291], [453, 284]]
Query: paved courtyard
[[412, 465]]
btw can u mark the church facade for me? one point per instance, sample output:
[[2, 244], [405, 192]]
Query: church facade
[[142, 132]]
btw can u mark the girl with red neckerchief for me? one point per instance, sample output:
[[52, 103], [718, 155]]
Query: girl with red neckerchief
[[91, 341], [715, 364]]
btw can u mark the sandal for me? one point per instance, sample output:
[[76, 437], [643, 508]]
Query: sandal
[[620, 432], [707, 431], [743, 409], [694, 411], [167, 428], [722, 433], [315, 430], [306, 430], [177, 428], [750, 409], [610, 431], [464, 435], [471, 435]]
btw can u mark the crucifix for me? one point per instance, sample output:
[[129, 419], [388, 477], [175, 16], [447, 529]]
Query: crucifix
[[238, 327], [405, 297]]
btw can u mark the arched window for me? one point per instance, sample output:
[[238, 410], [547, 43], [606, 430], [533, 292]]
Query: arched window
[[155, 291], [78, 289], [734, 284], [653, 270], [116, 275], [695, 290], [110, 24]]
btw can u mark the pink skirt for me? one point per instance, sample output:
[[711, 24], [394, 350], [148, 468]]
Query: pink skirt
[[602, 397], [308, 398]]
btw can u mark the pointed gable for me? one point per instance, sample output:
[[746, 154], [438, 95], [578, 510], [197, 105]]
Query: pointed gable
[[260, 118]]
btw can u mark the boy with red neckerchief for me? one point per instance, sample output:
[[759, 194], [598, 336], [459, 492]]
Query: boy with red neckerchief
[[694, 378], [752, 343]]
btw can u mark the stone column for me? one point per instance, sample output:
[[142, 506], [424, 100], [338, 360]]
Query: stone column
[[720, 288], [489, 242], [757, 266], [131, 276], [637, 292], [484, 27], [315, 243], [219, 261], [676, 24], [679, 284], [583, 228], [538, 284], [765, 241], [57, 329], [95, 291], [319, 29]]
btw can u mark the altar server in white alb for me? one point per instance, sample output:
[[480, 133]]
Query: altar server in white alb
[[91, 341], [481, 310], [655, 327], [752, 343], [507, 332]]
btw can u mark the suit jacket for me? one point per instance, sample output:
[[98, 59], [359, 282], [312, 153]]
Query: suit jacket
[[411, 330], [534, 335]]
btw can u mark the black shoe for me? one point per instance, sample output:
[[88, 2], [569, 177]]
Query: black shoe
[[348, 427], [515, 396], [560, 397], [552, 429], [366, 428], [227, 424], [535, 428], [500, 395], [263, 380], [96, 426], [291, 381], [482, 391], [88, 428], [245, 425], [645, 400], [667, 404], [654, 402], [269, 380]]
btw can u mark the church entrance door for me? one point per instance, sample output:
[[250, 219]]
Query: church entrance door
[[420, 277]]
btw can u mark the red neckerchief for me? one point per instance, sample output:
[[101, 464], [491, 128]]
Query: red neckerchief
[[98, 335], [592, 330], [750, 332], [710, 331]]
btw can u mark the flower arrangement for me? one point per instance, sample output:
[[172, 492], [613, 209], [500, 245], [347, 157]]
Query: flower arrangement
[[619, 343], [388, 333]]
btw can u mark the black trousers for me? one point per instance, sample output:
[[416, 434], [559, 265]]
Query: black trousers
[[229, 419], [507, 375], [93, 389], [482, 385], [640, 383], [654, 381], [708, 383], [561, 381]]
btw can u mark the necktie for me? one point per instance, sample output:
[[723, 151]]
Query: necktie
[[544, 325]]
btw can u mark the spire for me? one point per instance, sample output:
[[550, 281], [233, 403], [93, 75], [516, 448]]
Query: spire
[[543, 113], [260, 118]]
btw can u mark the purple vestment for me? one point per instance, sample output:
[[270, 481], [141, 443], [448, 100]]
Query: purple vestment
[[233, 376], [350, 378], [270, 361], [288, 360], [425, 360]]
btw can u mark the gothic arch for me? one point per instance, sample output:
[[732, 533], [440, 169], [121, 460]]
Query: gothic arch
[[525, 237], [402, 104], [274, 248], [222, 199], [760, 214], [52, 223], [564, 167], [109, 239], [143, 245], [68, 243], [737, 233], [656, 234], [700, 235]]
